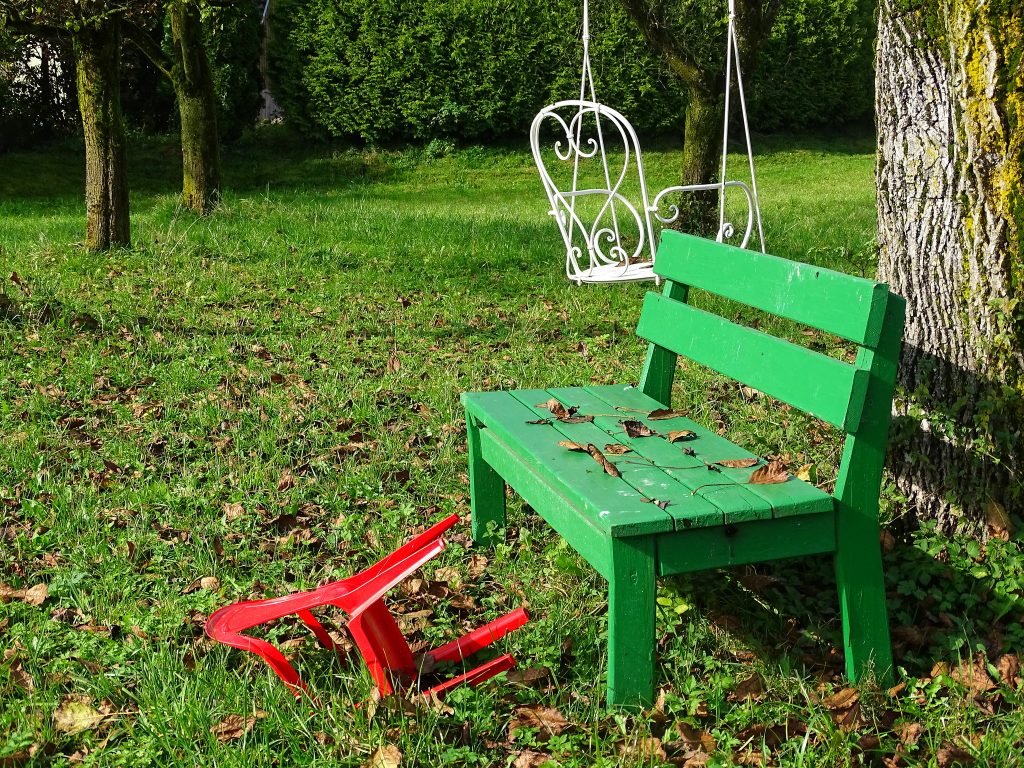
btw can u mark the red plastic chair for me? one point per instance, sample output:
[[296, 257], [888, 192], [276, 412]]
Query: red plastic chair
[[372, 626]]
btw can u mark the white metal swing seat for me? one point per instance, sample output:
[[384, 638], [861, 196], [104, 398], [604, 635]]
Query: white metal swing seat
[[600, 201], [611, 240]]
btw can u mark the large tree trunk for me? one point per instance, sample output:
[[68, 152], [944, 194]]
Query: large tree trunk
[[950, 110], [97, 55], [193, 86]]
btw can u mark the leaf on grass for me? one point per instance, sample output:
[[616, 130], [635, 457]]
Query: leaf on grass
[[235, 727], [636, 428], [807, 473], [75, 715], [233, 510], [287, 481], [681, 434], [1008, 667], [601, 459], [35, 595], [844, 707], [529, 675], [617, 449], [664, 413], [642, 750], [385, 756], [572, 446], [695, 738], [999, 524], [751, 688], [973, 674], [210, 583], [529, 758], [737, 463], [950, 754], [773, 472], [547, 720]]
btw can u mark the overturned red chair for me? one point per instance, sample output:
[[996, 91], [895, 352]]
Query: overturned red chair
[[373, 628]]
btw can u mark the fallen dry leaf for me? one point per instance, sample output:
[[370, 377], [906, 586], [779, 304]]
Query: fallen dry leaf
[[636, 429], [751, 688], [569, 444], [206, 582], [529, 675], [76, 714], [695, 738], [664, 413], [601, 459], [973, 674], [642, 750], [385, 756], [999, 523], [844, 706], [806, 473], [774, 472], [528, 758], [235, 726], [287, 481], [35, 595], [737, 463], [232, 510], [547, 720], [681, 434], [950, 754], [617, 449], [910, 733], [1008, 666], [449, 576]]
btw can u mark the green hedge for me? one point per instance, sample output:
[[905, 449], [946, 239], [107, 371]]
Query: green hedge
[[385, 70]]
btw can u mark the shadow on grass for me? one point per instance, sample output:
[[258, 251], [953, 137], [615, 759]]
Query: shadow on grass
[[939, 609]]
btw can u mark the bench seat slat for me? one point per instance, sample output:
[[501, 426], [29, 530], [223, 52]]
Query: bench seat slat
[[794, 497], [820, 385], [604, 501], [736, 503], [650, 481], [847, 306]]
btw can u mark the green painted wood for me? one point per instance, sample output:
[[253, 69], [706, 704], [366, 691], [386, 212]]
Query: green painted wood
[[611, 504], [724, 501], [631, 595], [793, 497], [850, 307], [820, 385], [582, 533], [660, 366], [755, 542], [648, 481], [486, 491], [858, 556]]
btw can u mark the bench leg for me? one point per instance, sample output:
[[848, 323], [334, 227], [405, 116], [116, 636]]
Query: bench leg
[[631, 594], [862, 604], [486, 491]]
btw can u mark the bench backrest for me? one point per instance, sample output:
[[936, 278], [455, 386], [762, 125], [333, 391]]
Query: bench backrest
[[856, 397]]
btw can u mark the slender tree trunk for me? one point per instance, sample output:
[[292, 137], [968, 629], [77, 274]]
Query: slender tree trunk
[[950, 106], [193, 85], [97, 55], [702, 151]]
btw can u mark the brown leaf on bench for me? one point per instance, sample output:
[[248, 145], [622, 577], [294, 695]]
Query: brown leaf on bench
[[664, 413], [636, 428], [738, 463], [539, 421], [774, 472], [565, 415], [572, 446], [617, 449], [681, 434], [601, 459]]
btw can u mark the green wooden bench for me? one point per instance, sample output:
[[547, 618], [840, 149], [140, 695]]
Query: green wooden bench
[[657, 518]]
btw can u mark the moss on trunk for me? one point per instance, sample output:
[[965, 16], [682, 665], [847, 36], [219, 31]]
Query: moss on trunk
[[192, 79], [951, 215], [97, 49], [702, 148]]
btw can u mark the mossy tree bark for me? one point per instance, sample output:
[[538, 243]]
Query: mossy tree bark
[[192, 79], [950, 113], [97, 53], [702, 149]]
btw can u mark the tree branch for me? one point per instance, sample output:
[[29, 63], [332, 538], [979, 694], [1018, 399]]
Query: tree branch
[[142, 40], [651, 21]]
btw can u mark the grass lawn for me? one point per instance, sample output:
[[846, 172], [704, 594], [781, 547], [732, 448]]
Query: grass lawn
[[266, 399]]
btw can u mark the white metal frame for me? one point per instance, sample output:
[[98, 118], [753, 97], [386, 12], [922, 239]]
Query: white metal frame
[[596, 252]]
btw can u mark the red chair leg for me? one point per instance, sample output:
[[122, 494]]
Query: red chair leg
[[480, 637], [474, 676]]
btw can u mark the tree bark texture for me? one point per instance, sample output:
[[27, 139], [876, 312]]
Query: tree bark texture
[[702, 148], [950, 113], [97, 56], [192, 79]]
